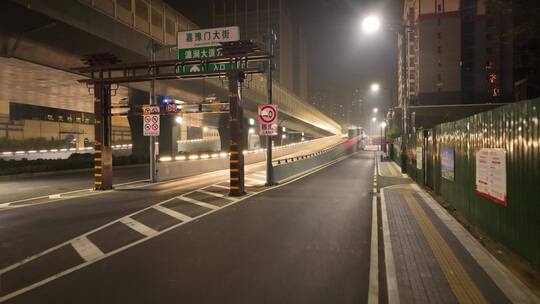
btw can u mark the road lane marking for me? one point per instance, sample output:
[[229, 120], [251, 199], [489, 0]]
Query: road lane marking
[[254, 179], [220, 186], [86, 249], [196, 202], [391, 277], [458, 278], [120, 249], [259, 175], [138, 226], [173, 213], [373, 292]]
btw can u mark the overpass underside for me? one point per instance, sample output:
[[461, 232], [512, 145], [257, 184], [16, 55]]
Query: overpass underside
[[40, 41]]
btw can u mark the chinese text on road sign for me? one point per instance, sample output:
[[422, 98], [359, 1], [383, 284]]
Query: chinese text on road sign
[[151, 120], [268, 118], [205, 43]]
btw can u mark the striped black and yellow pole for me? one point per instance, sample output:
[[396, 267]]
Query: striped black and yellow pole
[[102, 129], [236, 159]]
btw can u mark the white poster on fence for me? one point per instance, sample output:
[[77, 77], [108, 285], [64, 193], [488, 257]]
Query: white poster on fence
[[419, 158], [491, 174]]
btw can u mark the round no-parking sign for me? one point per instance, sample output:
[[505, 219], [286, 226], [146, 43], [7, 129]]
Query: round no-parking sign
[[267, 114], [268, 117]]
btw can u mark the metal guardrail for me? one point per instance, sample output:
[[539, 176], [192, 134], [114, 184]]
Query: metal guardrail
[[305, 156]]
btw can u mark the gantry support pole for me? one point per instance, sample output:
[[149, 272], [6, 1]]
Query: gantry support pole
[[236, 118], [102, 129]]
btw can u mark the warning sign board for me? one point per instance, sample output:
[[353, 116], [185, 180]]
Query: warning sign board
[[150, 120], [268, 117]]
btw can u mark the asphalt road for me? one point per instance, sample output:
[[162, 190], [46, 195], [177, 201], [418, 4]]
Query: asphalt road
[[32, 186], [304, 242]]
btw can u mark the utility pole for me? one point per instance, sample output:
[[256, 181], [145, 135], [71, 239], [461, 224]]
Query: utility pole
[[269, 68], [405, 62], [153, 175]]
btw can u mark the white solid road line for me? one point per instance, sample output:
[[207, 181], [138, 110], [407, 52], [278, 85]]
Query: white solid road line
[[373, 291], [196, 202], [138, 226], [173, 213], [86, 249]]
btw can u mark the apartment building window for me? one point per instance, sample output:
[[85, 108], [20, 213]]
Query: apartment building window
[[439, 49], [439, 77], [439, 64], [438, 21], [489, 51], [439, 8], [439, 36]]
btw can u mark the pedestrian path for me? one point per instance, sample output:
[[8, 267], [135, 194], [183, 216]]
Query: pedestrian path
[[389, 169], [432, 258]]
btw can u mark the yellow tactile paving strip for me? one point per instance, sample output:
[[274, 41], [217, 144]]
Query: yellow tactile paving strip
[[459, 280], [389, 169]]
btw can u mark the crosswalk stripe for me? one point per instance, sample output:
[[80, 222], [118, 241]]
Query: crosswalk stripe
[[138, 226], [259, 175], [173, 213], [196, 202], [221, 186], [218, 195], [86, 249], [253, 179]]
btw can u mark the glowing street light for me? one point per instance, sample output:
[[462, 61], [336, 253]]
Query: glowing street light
[[205, 129], [371, 24], [374, 119], [179, 119], [375, 110], [375, 87], [383, 124]]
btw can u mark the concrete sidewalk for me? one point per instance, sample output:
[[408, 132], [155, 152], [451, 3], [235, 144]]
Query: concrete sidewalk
[[432, 258]]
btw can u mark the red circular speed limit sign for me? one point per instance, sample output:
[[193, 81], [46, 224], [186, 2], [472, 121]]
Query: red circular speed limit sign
[[267, 114]]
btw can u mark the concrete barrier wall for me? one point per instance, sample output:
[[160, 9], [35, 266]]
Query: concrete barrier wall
[[286, 171], [176, 169]]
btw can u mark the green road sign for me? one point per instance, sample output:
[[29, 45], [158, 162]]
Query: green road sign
[[203, 52]]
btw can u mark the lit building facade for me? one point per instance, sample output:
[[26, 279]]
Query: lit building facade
[[456, 53]]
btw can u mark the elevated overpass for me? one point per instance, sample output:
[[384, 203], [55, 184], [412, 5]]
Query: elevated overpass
[[40, 41]]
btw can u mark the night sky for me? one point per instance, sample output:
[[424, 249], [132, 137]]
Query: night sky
[[341, 58]]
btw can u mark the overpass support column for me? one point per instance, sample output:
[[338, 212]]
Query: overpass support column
[[140, 143], [168, 135], [236, 119], [102, 128]]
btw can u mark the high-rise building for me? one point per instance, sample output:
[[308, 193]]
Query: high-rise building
[[457, 53], [256, 18]]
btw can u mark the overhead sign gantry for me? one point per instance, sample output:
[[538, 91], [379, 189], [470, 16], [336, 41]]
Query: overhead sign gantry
[[105, 72]]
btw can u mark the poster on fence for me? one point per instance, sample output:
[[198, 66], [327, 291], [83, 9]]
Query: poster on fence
[[447, 163], [419, 158], [491, 174]]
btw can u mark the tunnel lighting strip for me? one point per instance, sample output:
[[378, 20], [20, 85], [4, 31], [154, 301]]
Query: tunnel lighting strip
[[115, 147]]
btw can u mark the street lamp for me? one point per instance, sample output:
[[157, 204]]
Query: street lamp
[[371, 24], [375, 87], [383, 136], [374, 119], [375, 110], [179, 119]]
